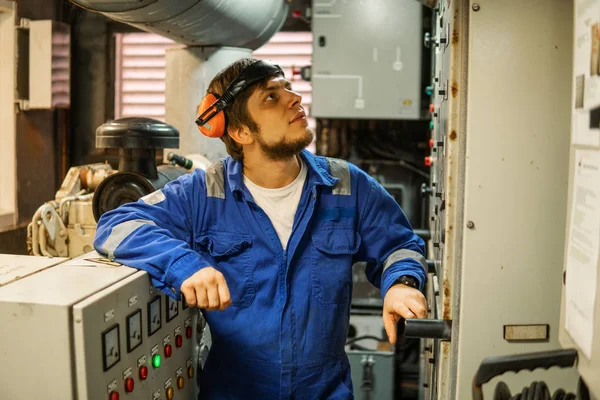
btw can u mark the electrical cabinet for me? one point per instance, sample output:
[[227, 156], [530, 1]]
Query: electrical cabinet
[[366, 59], [499, 161]]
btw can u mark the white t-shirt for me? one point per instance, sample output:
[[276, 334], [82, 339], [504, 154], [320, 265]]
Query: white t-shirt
[[280, 204]]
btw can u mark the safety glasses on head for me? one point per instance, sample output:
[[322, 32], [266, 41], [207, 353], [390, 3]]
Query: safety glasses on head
[[211, 107]]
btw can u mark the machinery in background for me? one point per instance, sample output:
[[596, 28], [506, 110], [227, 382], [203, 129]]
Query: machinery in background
[[137, 140], [106, 332], [65, 227], [378, 122]]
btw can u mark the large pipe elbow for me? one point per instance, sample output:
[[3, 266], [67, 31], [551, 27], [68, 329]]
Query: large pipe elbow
[[235, 23]]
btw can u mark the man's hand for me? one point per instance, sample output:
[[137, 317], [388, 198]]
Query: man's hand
[[206, 289], [402, 301]]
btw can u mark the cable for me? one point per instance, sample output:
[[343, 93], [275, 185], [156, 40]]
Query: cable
[[356, 339]]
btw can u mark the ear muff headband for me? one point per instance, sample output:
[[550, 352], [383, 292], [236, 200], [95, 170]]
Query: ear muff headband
[[211, 107]]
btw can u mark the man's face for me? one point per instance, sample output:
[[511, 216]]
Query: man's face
[[278, 112]]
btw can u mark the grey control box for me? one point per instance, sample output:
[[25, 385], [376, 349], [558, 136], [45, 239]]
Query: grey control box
[[91, 329], [367, 58]]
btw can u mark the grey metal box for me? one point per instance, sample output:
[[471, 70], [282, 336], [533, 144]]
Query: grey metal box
[[366, 59], [383, 374]]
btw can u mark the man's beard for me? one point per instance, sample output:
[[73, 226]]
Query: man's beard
[[284, 149]]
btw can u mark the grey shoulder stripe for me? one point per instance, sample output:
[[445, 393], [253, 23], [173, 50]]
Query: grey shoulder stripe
[[403, 254], [215, 180], [154, 197], [120, 233], [339, 169]]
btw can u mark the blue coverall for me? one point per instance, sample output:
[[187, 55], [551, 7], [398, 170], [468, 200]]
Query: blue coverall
[[284, 334]]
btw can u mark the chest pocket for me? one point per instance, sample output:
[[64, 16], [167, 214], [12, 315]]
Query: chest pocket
[[229, 254], [331, 262]]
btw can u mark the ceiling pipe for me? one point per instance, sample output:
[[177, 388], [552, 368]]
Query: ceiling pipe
[[234, 23]]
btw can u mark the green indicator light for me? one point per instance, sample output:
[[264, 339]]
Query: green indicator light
[[156, 361], [431, 125]]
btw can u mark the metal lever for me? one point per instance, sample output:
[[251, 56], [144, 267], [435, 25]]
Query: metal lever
[[424, 234], [431, 266], [425, 328]]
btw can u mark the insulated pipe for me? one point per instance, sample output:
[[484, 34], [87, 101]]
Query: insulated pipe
[[236, 23]]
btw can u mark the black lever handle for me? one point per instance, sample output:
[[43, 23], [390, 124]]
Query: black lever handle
[[431, 266], [424, 234], [425, 328], [493, 366]]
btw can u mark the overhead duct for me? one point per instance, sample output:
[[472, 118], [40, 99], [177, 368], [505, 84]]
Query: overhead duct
[[235, 23], [217, 32]]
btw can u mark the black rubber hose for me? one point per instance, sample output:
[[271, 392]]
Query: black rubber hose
[[502, 392], [535, 391], [559, 394]]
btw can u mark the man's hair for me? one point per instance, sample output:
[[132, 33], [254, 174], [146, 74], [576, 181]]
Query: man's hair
[[237, 113]]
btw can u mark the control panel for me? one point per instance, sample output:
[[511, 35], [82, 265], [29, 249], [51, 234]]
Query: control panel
[[96, 330], [442, 144], [146, 340], [492, 259]]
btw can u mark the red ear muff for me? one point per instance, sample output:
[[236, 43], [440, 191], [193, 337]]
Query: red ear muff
[[211, 117], [211, 126]]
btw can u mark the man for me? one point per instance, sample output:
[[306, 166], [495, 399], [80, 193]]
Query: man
[[266, 239]]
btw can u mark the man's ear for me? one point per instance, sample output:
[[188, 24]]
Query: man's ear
[[241, 135]]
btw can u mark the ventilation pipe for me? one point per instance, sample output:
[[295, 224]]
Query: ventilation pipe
[[214, 34], [235, 23]]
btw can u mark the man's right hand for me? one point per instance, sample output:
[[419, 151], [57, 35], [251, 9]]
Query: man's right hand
[[206, 289]]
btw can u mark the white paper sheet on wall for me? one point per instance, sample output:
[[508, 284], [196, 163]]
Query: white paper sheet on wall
[[582, 250], [586, 72]]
